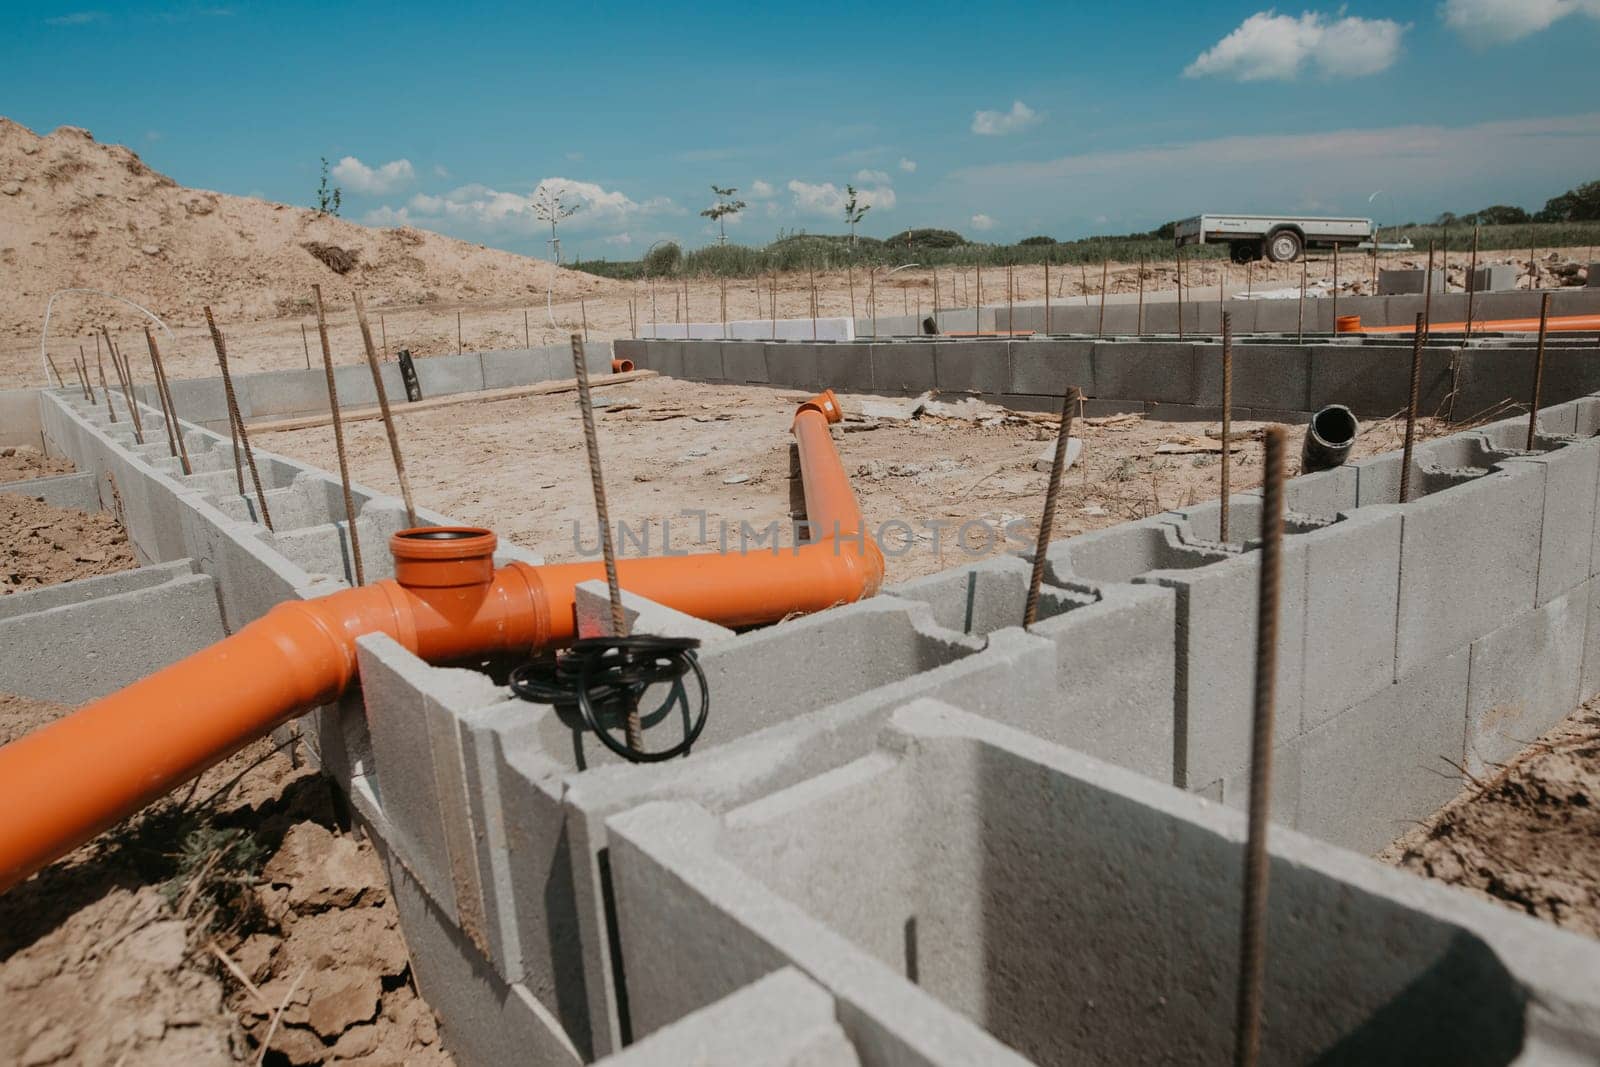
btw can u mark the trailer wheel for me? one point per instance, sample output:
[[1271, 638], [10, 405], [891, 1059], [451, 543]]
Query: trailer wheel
[[1244, 251], [1284, 246]]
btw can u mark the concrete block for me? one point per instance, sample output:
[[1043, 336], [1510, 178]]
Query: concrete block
[[846, 368], [1524, 678], [412, 717], [702, 361], [1154, 371], [956, 814], [782, 1020], [1189, 413], [1282, 316], [72, 649], [1371, 773], [1469, 559], [1095, 408], [1048, 368], [522, 366], [665, 357], [1567, 528], [972, 366], [744, 361], [19, 418], [1351, 587], [80, 491], [1496, 277], [904, 368], [1264, 376], [793, 366], [1393, 282], [593, 602], [483, 1020], [1376, 381]]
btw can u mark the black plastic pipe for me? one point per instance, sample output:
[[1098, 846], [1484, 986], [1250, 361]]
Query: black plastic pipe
[[1329, 438]]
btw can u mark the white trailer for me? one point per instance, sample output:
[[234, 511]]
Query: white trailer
[[1281, 238]]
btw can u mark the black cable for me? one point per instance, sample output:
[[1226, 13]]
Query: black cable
[[605, 677]]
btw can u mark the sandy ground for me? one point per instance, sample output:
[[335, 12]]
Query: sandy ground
[[41, 544], [669, 447], [1529, 836], [22, 464]]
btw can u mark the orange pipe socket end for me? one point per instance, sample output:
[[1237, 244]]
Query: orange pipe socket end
[[621, 366], [64, 783]]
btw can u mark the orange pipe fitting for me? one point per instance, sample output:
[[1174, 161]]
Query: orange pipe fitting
[[1556, 324], [621, 366], [64, 783]]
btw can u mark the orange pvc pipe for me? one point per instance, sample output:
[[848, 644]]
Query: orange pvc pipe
[[64, 783], [1556, 324], [621, 366]]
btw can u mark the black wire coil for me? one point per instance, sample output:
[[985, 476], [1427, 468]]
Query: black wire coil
[[604, 677]]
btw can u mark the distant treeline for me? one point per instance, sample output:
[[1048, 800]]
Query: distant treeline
[[1569, 220]]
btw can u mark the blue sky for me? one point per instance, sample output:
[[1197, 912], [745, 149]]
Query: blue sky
[[998, 120]]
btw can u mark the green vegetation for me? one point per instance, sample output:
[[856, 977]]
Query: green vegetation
[[1571, 220], [329, 199]]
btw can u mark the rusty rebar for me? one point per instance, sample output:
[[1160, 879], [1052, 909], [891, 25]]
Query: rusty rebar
[[237, 416], [1139, 316], [1252, 939], [1427, 294], [1105, 271], [1472, 280], [1300, 321], [83, 383], [1538, 369], [1417, 340], [1030, 610], [1179, 273], [1047, 295], [1336, 287], [383, 409], [172, 405], [105, 390], [60, 381], [591, 444], [338, 437], [306, 345], [1227, 418], [127, 386], [161, 394]]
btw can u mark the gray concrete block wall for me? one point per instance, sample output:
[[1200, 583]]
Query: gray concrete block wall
[[81, 491], [497, 823], [986, 870]]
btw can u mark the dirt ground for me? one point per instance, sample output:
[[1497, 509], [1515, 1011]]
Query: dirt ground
[[1529, 836], [670, 447], [23, 464], [240, 913]]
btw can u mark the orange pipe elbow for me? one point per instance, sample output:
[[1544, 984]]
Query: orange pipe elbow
[[64, 783]]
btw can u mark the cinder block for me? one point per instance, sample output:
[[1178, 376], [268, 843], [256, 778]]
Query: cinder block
[[1264, 376], [79, 641], [446, 375], [782, 1020], [1392, 282], [63, 490], [955, 814], [484, 1021], [1048, 368], [745, 361], [525, 366], [1152, 371], [1095, 408], [845, 367], [1282, 316], [1374, 771], [793, 365], [972, 366], [1567, 529], [1377, 381], [1352, 585], [1469, 559], [702, 361], [904, 368], [1525, 677], [1189, 413]]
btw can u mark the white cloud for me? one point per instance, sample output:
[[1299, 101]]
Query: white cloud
[[1487, 22], [441, 171], [828, 199], [373, 181], [619, 239], [1268, 46], [876, 177], [760, 190], [76, 18], [908, 165], [1000, 123], [478, 209], [980, 221]]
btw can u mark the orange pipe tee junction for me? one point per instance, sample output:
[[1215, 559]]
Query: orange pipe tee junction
[[64, 783]]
